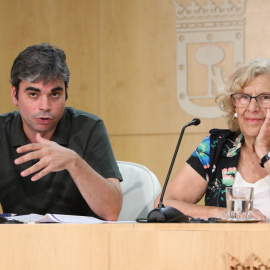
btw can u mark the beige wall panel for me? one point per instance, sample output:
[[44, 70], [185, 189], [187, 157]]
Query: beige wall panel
[[138, 78], [155, 151], [71, 25], [138, 68], [257, 36]]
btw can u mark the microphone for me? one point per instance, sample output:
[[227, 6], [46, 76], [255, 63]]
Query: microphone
[[167, 213]]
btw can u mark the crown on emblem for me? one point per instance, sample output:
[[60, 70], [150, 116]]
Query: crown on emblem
[[209, 9]]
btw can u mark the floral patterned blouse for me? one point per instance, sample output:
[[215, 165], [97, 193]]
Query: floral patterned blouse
[[216, 159]]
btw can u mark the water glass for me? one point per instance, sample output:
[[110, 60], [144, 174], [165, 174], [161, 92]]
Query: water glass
[[239, 203]]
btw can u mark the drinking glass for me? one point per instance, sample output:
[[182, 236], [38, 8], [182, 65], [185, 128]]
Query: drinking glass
[[239, 203]]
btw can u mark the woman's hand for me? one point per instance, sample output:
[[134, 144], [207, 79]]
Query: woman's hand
[[262, 142], [258, 215]]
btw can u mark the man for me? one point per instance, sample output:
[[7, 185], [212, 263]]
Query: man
[[54, 159]]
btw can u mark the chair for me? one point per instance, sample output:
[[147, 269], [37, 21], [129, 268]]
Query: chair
[[140, 188]]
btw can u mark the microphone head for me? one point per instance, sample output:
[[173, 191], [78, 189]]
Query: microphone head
[[194, 122]]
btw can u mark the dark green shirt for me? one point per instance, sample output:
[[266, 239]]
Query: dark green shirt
[[56, 192]]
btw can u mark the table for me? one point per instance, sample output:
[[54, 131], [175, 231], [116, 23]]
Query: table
[[134, 246]]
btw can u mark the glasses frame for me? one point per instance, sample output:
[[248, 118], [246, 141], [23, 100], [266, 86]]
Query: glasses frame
[[250, 98]]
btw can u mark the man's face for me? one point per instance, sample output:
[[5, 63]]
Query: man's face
[[41, 106]]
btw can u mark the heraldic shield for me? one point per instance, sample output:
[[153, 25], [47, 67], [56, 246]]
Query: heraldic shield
[[210, 39]]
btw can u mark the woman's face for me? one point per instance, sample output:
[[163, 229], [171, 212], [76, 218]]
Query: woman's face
[[251, 118]]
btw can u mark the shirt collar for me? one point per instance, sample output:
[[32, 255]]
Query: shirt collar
[[61, 134]]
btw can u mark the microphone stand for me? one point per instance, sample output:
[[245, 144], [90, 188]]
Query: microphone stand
[[167, 213]]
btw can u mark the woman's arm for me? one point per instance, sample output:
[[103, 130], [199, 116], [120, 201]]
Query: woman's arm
[[185, 190]]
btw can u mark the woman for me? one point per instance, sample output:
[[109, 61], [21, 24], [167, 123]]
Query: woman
[[237, 156]]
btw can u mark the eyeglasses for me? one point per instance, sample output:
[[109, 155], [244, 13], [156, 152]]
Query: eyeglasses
[[242, 100]]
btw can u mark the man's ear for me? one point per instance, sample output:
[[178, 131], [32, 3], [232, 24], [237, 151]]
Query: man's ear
[[13, 95]]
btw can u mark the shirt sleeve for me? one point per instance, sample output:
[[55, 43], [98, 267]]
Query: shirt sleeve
[[200, 158], [99, 153]]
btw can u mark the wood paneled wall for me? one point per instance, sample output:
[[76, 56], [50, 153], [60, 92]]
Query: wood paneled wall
[[122, 58]]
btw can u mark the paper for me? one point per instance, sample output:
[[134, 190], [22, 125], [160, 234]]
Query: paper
[[56, 218]]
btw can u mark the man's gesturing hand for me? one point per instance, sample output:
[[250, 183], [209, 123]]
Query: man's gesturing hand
[[51, 157]]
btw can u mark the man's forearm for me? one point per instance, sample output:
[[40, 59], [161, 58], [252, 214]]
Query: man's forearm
[[104, 196]]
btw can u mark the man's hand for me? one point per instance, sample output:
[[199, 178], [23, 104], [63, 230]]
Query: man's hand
[[52, 157], [104, 196]]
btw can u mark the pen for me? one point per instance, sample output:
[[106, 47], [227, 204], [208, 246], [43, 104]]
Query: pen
[[7, 215]]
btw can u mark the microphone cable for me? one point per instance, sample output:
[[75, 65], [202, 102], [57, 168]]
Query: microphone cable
[[149, 220], [191, 220]]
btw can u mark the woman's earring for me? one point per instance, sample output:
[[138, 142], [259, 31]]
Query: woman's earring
[[235, 115]]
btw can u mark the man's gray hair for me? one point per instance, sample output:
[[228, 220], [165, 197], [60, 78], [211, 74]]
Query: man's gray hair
[[42, 62]]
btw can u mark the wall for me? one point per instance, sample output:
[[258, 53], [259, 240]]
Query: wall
[[122, 56]]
